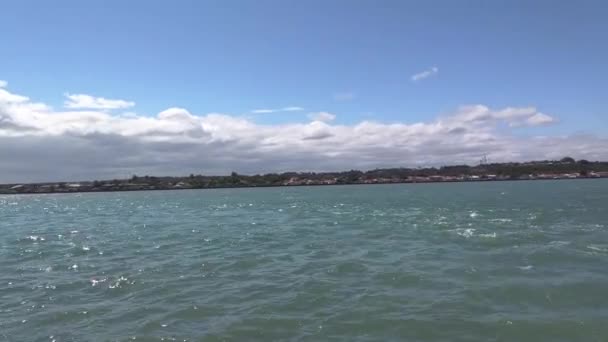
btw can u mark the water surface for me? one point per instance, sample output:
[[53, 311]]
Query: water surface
[[496, 261]]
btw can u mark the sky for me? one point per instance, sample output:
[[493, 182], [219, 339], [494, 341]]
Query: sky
[[106, 89]]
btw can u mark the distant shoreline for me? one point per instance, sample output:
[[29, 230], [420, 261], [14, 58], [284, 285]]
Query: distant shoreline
[[77, 191], [566, 168]]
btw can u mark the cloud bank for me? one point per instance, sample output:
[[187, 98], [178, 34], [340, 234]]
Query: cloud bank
[[39, 143]]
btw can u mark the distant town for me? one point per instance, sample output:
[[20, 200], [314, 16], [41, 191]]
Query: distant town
[[566, 168]]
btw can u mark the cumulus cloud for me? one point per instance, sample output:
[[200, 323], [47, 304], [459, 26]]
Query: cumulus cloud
[[83, 101], [38, 143], [3, 84], [7, 97], [425, 74], [321, 116], [276, 110]]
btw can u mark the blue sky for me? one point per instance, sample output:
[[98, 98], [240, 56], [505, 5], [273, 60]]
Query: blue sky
[[354, 59], [234, 56]]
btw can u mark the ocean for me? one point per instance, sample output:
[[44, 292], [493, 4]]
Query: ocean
[[488, 261]]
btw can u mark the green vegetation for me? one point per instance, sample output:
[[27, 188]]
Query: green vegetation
[[566, 168]]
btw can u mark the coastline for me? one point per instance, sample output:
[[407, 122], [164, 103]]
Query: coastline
[[567, 168], [119, 189]]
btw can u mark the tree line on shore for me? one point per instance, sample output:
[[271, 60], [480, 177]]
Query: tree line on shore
[[492, 171]]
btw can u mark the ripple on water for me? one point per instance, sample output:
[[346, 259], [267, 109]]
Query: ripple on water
[[351, 267], [598, 248]]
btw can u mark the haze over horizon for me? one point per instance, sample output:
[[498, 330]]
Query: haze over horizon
[[106, 89]]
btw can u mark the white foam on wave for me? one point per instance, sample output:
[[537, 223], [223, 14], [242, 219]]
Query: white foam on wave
[[470, 232], [598, 248], [525, 268], [95, 282], [558, 243], [35, 238], [501, 220], [473, 214], [441, 220], [488, 235], [119, 283], [467, 233]]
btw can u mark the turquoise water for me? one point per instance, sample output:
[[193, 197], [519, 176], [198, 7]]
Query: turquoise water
[[496, 261]]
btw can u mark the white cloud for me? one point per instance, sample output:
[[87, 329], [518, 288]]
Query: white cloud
[[344, 96], [514, 117], [8, 97], [321, 116], [277, 110], [292, 109], [425, 74], [83, 101], [263, 111], [540, 119], [38, 143]]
